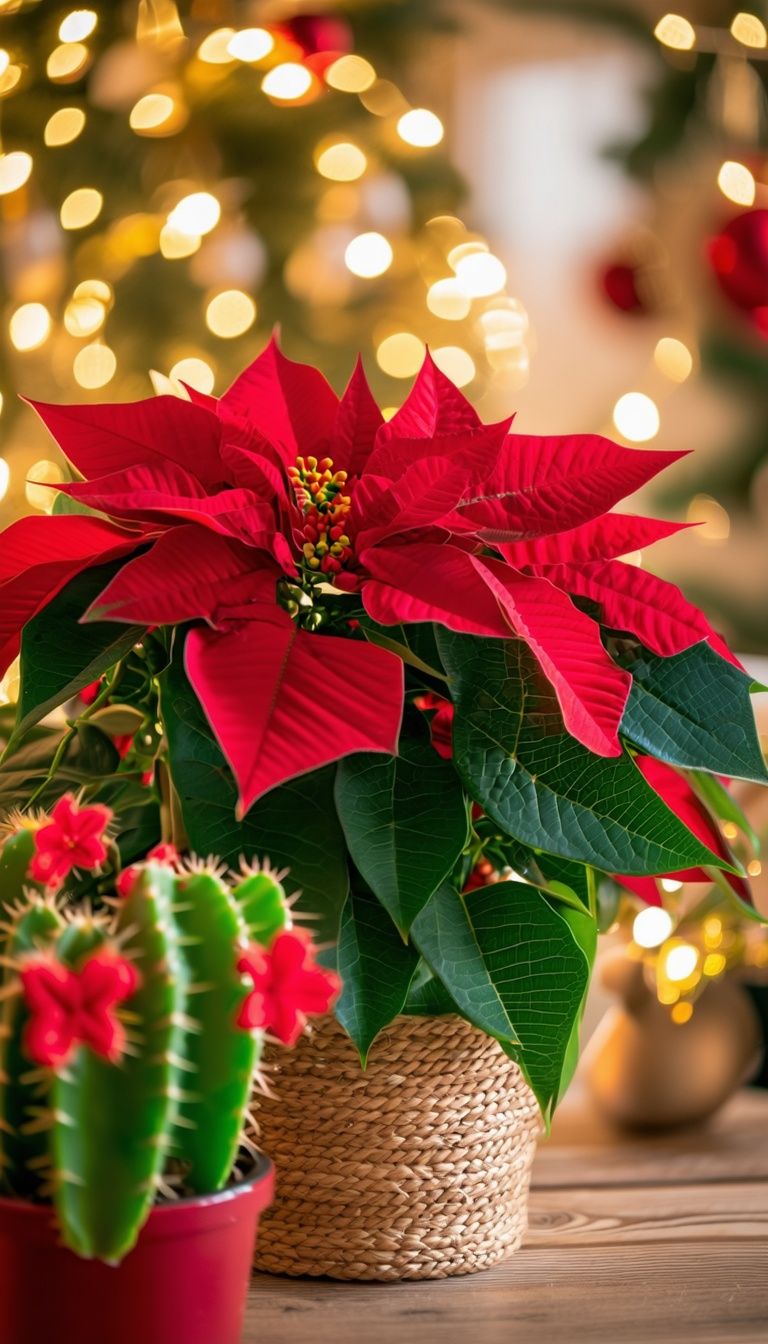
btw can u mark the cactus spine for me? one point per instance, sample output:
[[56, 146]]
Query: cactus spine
[[99, 1136]]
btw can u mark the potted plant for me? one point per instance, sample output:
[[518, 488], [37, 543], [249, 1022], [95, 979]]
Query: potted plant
[[129, 1041], [400, 658]]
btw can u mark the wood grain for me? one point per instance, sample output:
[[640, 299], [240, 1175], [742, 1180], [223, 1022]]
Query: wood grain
[[632, 1240]]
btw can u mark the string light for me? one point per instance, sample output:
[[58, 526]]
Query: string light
[[195, 215], [714, 964], [94, 366], [681, 1013], [676, 32], [420, 128], [681, 961], [673, 359], [30, 326], [80, 208], [5, 477], [64, 126], [15, 169], [230, 313], [636, 416], [652, 926], [749, 30], [287, 82], [5, 61], [341, 161], [214, 49], [40, 478], [67, 62], [447, 299], [251, 44], [368, 255], [194, 371], [401, 355], [456, 363], [9, 80], [83, 317], [736, 182], [712, 520], [151, 113], [480, 274], [175, 245], [754, 868], [77, 25], [350, 74]]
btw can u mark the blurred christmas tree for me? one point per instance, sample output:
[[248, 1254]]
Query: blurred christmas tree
[[699, 261], [176, 179]]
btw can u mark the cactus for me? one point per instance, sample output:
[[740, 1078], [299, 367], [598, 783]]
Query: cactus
[[98, 1129]]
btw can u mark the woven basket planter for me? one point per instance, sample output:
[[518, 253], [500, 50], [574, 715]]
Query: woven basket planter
[[417, 1168]]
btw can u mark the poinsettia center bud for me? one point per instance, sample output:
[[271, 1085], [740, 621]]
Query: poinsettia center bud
[[320, 494]]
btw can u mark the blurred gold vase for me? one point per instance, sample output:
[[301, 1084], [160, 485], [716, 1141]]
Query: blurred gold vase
[[647, 1071]]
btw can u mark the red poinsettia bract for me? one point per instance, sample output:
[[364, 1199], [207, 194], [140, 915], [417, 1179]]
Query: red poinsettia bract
[[69, 1007], [429, 517], [288, 986]]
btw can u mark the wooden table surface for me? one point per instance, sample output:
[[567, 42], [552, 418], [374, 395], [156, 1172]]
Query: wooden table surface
[[632, 1240]]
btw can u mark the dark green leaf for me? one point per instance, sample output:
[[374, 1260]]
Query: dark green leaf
[[59, 656], [694, 710], [376, 967], [539, 784], [427, 996], [405, 821], [516, 966], [294, 826]]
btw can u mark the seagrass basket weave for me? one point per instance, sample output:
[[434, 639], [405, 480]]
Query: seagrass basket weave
[[417, 1168]]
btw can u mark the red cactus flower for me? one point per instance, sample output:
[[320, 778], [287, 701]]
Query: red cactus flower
[[162, 853], [430, 517], [69, 1008], [288, 986], [73, 838]]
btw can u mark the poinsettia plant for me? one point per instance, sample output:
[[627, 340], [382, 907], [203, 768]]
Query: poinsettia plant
[[396, 656]]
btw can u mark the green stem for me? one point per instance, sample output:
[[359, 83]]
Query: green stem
[[592, 892], [71, 733]]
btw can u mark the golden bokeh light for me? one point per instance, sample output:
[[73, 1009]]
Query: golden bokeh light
[[5, 477], [480, 274], [673, 30], [636, 417], [40, 478], [9, 79], [350, 74], [681, 1013], [456, 363], [420, 127], [214, 49], [652, 926], [749, 30], [446, 299], [78, 25], [368, 255], [194, 371], [287, 82], [230, 313], [15, 169], [30, 326], [713, 524], [10, 683], [340, 162], [736, 182], [175, 245], [94, 366], [64, 126], [151, 113], [673, 359], [401, 355], [84, 316], [80, 208], [681, 961], [5, 61], [195, 215], [251, 44], [67, 62]]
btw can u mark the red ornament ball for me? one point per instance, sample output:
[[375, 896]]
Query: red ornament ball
[[738, 256], [621, 283]]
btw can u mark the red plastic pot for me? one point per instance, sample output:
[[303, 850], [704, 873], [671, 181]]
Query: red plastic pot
[[183, 1283]]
